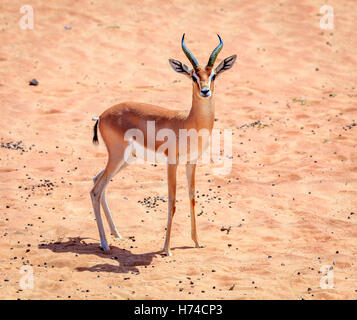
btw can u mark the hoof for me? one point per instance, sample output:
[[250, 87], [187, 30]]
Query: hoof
[[197, 245], [104, 248], [167, 253], [116, 234]]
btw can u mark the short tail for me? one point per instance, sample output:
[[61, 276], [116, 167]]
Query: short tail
[[95, 129]]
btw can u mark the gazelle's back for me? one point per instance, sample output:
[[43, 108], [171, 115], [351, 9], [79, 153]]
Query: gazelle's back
[[142, 110]]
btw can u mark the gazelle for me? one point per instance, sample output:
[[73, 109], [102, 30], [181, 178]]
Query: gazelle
[[117, 120]]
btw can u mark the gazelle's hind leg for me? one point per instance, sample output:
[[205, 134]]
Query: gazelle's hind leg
[[115, 163], [113, 230]]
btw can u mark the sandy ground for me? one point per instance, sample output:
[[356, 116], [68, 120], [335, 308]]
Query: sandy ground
[[289, 199]]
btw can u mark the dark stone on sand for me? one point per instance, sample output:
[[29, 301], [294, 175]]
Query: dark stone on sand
[[33, 82]]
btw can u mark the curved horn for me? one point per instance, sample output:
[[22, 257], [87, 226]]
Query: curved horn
[[188, 53], [215, 52]]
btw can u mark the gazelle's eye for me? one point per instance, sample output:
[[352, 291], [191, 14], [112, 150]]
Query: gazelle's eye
[[194, 79], [213, 77]]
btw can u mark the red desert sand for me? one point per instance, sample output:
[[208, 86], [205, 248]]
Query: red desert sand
[[290, 198]]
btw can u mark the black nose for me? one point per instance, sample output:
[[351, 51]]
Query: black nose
[[205, 91]]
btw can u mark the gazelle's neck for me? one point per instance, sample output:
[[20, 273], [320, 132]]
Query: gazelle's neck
[[202, 112]]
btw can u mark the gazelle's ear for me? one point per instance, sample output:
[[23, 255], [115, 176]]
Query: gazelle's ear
[[180, 67], [226, 64]]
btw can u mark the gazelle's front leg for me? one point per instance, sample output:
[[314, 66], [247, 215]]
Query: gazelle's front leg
[[171, 183], [190, 173]]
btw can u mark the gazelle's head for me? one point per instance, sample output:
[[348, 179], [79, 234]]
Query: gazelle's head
[[203, 78]]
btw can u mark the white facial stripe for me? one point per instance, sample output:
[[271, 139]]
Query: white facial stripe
[[197, 79], [210, 78]]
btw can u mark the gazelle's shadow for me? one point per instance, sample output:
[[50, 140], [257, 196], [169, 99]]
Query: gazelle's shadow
[[127, 260]]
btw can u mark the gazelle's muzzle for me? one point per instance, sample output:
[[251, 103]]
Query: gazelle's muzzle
[[205, 92]]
